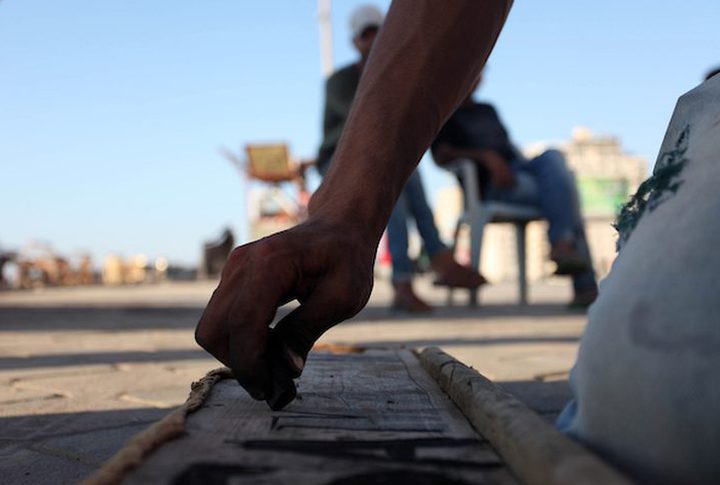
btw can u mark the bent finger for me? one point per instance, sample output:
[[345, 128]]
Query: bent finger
[[247, 346], [300, 329]]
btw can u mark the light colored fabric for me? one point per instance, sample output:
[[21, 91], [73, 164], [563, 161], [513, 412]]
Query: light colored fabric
[[647, 379]]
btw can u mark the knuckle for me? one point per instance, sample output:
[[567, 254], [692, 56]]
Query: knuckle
[[204, 338], [349, 304], [200, 339], [247, 256], [351, 294]]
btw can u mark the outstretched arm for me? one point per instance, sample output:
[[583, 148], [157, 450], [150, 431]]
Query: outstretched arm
[[421, 67]]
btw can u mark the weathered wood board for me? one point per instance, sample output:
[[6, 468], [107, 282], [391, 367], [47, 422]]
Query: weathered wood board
[[372, 417]]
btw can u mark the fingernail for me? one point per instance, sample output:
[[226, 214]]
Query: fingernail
[[283, 394]]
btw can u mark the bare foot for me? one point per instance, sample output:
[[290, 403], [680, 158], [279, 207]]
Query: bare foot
[[451, 273], [567, 258], [406, 300]]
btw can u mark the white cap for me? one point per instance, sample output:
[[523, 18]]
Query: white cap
[[363, 17]]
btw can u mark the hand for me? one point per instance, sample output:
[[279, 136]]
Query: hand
[[328, 268], [501, 174], [444, 153]]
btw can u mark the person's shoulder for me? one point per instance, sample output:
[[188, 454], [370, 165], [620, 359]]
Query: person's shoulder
[[343, 74], [482, 107], [478, 109]]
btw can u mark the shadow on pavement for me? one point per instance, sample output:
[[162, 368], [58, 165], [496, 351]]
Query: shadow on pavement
[[547, 398], [474, 341], [109, 318], [25, 319], [66, 447], [166, 355], [95, 358], [456, 312]]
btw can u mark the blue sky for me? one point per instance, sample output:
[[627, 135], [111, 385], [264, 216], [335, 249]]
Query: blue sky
[[111, 112]]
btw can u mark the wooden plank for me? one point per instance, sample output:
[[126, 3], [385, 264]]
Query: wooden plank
[[536, 452], [372, 417]]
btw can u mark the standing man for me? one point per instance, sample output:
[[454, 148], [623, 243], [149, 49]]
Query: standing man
[[365, 24]]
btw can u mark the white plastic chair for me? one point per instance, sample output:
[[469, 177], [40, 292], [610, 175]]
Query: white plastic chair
[[478, 213]]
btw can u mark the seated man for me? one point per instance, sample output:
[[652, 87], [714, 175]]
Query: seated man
[[475, 132]]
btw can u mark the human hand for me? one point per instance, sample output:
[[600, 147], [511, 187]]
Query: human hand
[[327, 267], [445, 153], [501, 174]]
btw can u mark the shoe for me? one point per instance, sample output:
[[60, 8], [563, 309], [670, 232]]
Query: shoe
[[568, 260], [450, 273], [583, 299], [406, 300]]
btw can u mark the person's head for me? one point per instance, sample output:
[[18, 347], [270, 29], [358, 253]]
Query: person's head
[[712, 73], [365, 22]]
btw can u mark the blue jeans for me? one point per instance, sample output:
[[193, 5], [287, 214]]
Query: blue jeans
[[546, 183], [412, 201]]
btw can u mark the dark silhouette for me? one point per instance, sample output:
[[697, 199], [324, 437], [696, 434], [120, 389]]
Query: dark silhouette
[[215, 253]]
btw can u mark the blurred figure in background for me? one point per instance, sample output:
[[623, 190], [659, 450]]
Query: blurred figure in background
[[475, 132], [215, 253], [5, 257]]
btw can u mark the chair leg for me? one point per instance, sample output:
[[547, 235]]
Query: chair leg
[[450, 289], [522, 263], [474, 298], [477, 227]]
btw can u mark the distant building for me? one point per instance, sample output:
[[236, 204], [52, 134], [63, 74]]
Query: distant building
[[606, 177]]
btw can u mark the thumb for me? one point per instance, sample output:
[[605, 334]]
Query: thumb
[[298, 331]]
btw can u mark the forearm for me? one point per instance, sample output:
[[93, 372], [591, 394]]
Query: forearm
[[424, 61]]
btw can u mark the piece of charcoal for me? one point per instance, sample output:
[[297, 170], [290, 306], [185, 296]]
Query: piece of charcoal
[[283, 390]]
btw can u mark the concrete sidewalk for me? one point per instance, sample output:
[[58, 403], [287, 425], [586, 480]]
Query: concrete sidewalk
[[83, 369]]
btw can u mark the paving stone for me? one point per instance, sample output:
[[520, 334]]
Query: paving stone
[[10, 376], [163, 397], [94, 447], [17, 394], [30, 467], [546, 398], [85, 438]]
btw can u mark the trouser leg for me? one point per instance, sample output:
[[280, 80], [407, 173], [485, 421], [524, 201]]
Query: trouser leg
[[397, 234], [555, 192], [586, 280], [424, 220], [560, 203]]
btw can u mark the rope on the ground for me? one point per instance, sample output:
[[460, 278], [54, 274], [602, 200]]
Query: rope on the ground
[[147, 441], [536, 452]]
